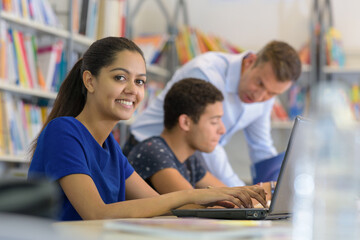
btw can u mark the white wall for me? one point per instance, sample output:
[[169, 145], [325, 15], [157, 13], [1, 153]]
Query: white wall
[[252, 23]]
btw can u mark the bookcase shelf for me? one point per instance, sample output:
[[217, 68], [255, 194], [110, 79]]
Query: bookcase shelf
[[159, 71], [81, 39], [34, 25], [24, 106], [347, 69], [26, 91], [13, 159], [55, 31]]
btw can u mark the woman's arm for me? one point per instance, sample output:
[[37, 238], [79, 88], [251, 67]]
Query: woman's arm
[[84, 196], [143, 190], [169, 180]]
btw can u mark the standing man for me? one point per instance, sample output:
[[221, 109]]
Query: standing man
[[248, 82], [192, 123]]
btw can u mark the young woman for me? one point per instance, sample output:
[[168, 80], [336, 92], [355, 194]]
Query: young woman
[[76, 147]]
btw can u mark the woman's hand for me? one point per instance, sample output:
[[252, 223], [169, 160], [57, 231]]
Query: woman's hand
[[240, 196]]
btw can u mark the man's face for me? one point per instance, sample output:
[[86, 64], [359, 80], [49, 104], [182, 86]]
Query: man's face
[[259, 84], [205, 134]]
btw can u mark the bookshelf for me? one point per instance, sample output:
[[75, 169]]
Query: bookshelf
[[23, 101], [28, 96], [74, 44], [55, 31], [9, 17], [13, 159], [26, 91]]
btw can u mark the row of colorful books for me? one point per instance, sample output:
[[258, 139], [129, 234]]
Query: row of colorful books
[[334, 49], [31, 62], [152, 46], [298, 99], [37, 10], [99, 18], [189, 42], [20, 123]]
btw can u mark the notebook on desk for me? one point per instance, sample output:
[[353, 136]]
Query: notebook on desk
[[282, 199]]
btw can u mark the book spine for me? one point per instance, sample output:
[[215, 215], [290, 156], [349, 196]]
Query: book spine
[[27, 73]]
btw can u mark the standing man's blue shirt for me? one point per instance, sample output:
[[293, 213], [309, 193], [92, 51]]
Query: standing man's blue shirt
[[66, 147]]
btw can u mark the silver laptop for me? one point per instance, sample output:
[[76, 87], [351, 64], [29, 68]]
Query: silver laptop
[[282, 200]]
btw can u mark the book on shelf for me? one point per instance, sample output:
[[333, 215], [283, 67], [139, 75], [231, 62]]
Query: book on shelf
[[354, 99], [76, 12], [151, 45], [28, 65], [4, 135], [298, 101], [6, 142], [334, 50], [30, 48], [279, 113], [93, 19], [47, 57], [20, 123], [3, 46], [20, 62], [99, 18], [36, 10], [83, 16]]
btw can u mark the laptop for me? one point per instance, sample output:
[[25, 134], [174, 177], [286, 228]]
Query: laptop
[[282, 199]]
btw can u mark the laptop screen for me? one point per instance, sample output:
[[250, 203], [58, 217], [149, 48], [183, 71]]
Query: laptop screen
[[282, 201]]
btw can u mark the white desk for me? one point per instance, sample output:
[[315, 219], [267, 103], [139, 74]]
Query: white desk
[[100, 229]]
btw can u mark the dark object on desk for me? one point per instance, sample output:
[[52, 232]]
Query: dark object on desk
[[267, 170], [224, 213], [282, 200], [39, 198]]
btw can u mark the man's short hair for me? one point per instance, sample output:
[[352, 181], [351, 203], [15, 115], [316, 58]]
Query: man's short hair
[[189, 96], [284, 60]]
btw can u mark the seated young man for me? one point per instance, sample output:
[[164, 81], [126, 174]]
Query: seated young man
[[192, 119]]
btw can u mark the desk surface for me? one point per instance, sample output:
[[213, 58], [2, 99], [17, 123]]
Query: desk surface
[[174, 228]]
